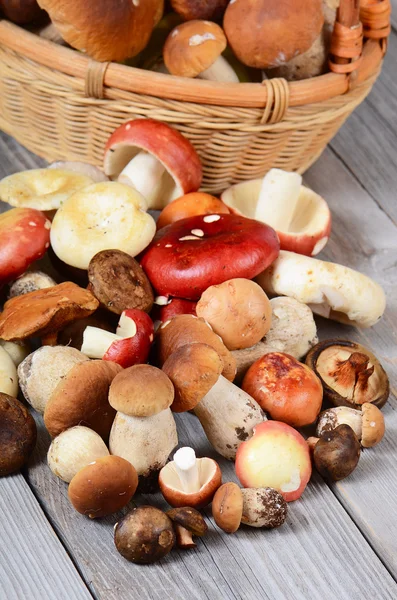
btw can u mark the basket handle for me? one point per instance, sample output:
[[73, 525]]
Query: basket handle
[[356, 19]]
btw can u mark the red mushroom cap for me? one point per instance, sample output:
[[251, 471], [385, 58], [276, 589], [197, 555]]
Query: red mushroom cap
[[169, 146], [24, 238], [134, 350], [173, 307], [188, 256]]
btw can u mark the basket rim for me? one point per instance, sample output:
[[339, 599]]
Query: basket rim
[[131, 79]]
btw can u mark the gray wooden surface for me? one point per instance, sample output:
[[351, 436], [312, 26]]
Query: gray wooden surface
[[339, 540]]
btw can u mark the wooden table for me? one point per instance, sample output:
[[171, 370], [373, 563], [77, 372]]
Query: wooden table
[[340, 541]]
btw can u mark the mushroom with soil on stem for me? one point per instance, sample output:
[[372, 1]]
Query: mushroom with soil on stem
[[301, 217], [206, 250], [130, 345], [263, 507], [103, 487], [189, 481], [74, 449], [18, 435], [41, 371], [144, 430], [154, 159], [103, 215], [293, 331], [187, 522], [332, 291], [368, 423], [350, 373], [30, 282], [145, 535], [336, 453], [194, 49]]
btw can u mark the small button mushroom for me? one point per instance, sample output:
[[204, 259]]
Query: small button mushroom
[[130, 345], [24, 238], [17, 435], [40, 373], [187, 523], [154, 159], [350, 373], [193, 369], [276, 456], [368, 423], [285, 388], [74, 449], [81, 398], [189, 481], [232, 506], [81, 168], [30, 282], [45, 311], [238, 310], [118, 281], [190, 205], [145, 535], [231, 247], [8, 374], [101, 216], [336, 453], [103, 487]]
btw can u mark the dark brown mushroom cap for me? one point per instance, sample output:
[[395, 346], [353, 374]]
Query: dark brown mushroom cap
[[144, 535], [350, 373], [189, 518], [81, 398], [18, 434], [337, 453], [45, 311], [197, 9], [119, 282]]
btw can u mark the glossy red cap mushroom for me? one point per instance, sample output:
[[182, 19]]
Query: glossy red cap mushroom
[[206, 250], [153, 158]]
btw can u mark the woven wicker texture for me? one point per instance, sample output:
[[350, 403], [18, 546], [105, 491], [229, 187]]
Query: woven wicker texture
[[61, 116]]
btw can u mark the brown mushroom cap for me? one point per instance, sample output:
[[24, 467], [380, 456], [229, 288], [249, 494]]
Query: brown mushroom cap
[[141, 391], [193, 47], [45, 311], [119, 282], [266, 34], [81, 398], [210, 477], [17, 435], [193, 369], [350, 373], [103, 487], [227, 507], [144, 535], [373, 425], [188, 329], [196, 9], [189, 518], [337, 453]]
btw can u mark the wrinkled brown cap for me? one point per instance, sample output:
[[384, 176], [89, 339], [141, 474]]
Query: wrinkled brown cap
[[45, 311]]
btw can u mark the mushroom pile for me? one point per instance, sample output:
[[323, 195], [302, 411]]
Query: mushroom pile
[[135, 322], [217, 40]]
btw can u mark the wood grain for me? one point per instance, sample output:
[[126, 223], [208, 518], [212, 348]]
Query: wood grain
[[33, 562], [394, 14]]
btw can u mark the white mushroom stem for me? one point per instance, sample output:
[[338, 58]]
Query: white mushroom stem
[[278, 198], [186, 466], [144, 173], [96, 342], [126, 327], [220, 70]]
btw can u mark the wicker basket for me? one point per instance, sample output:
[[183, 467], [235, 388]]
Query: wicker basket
[[62, 105]]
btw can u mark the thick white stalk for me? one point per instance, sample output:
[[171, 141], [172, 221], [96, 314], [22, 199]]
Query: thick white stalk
[[186, 466], [96, 342], [278, 199], [144, 173], [220, 70]]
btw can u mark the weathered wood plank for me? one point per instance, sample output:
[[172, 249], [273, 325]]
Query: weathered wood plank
[[33, 562], [394, 13]]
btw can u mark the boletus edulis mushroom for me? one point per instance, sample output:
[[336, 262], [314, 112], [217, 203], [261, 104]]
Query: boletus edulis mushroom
[[17, 435], [187, 523], [336, 453], [144, 535], [350, 373], [368, 423]]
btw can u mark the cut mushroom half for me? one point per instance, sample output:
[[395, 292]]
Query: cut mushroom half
[[189, 481], [332, 291], [153, 158], [301, 217]]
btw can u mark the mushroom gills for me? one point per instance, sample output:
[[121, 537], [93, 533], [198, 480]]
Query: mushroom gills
[[206, 469]]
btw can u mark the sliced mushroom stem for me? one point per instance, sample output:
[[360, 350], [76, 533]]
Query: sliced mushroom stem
[[187, 469], [220, 70], [278, 198], [144, 173], [184, 537], [96, 342]]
